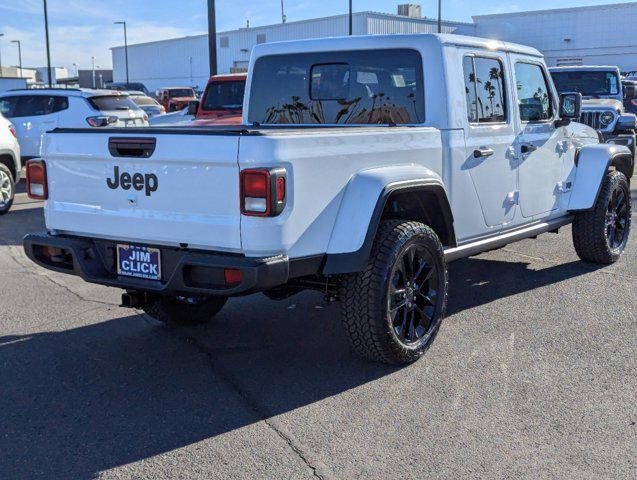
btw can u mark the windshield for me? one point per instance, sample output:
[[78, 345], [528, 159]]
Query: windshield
[[224, 96], [589, 84], [113, 102], [181, 92]]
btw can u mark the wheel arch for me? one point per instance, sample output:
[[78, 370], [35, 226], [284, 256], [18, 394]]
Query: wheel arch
[[592, 163], [7, 159], [418, 199]]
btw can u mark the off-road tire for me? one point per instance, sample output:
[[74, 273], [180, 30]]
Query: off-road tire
[[176, 311], [6, 177], [364, 295], [590, 229]]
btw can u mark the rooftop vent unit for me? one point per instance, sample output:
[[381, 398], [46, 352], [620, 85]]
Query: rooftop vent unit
[[410, 10]]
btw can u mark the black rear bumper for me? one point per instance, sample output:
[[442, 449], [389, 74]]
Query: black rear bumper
[[184, 272]]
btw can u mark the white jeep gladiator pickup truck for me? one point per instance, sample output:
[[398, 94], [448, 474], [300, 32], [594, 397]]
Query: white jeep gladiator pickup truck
[[364, 166]]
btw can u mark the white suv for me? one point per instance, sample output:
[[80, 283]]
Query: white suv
[[35, 112], [9, 164]]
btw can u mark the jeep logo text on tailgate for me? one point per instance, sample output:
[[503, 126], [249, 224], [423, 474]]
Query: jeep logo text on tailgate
[[147, 182]]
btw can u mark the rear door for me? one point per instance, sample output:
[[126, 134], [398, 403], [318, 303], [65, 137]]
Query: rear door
[[540, 145], [490, 134], [184, 191]]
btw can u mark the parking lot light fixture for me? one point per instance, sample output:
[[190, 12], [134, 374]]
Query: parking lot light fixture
[[125, 46], [19, 54]]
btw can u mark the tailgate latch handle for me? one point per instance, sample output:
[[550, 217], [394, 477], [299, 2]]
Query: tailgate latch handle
[[132, 147]]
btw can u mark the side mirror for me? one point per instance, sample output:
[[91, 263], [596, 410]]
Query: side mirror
[[570, 106], [630, 92], [627, 121], [193, 107]]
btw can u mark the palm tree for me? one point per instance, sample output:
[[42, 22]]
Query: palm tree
[[488, 86], [496, 74]]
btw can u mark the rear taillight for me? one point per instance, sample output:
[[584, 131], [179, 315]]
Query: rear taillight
[[36, 180], [101, 121], [263, 192], [12, 130]]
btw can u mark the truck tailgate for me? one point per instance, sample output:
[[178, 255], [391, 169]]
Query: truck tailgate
[[105, 185]]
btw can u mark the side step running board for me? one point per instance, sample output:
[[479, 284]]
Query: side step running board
[[503, 239]]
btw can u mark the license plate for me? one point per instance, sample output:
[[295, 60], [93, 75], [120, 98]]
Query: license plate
[[140, 262], [130, 123]]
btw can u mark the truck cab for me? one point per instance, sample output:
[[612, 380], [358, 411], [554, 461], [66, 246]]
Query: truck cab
[[603, 94], [222, 101]]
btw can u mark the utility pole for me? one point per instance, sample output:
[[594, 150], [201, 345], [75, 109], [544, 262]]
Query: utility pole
[[93, 68], [439, 16], [283, 19], [19, 54], [212, 38], [125, 47], [48, 47], [351, 14]]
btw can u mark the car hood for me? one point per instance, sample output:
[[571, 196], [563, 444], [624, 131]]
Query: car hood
[[597, 103]]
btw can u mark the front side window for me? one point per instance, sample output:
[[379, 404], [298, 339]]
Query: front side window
[[485, 90], [534, 95], [339, 88]]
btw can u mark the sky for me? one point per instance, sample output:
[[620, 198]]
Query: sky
[[81, 29]]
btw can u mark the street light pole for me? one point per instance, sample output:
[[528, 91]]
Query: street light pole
[[48, 48], [1, 35], [19, 54], [282, 13], [212, 38], [350, 18], [125, 47], [439, 16], [93, 68]]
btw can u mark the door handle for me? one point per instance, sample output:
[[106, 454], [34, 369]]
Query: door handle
[[483, 152], [528, 148]]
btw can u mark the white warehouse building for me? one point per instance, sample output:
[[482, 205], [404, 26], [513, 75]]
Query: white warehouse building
[[184, 61], [596, 35]]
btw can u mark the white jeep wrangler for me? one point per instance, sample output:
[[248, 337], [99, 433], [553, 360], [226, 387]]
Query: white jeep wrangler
[[364, 166]]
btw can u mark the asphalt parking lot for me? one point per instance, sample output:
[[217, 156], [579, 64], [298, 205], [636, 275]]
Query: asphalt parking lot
[[533, 375]]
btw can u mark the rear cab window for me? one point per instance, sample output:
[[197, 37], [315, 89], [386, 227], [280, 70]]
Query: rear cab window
[[112, 102], [181, 92], [365, 87], [224, 95], [533, 91]]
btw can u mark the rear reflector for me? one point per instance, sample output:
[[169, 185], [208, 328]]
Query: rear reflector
[[36, 180], [232, 276]]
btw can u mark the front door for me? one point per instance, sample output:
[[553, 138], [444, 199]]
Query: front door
[[540, 145], [490, 134]]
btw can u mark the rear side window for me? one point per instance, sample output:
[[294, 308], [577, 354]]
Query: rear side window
[[32, 105], [8, 106], [112, 102], [485, 90], [355, 88], [534, 95]]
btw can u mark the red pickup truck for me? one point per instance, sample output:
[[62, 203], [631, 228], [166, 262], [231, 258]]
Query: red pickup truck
[[222, 101], [175, 98]]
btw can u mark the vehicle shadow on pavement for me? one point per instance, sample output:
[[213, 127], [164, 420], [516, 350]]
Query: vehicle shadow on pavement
[[477, 281], [79, 401]]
